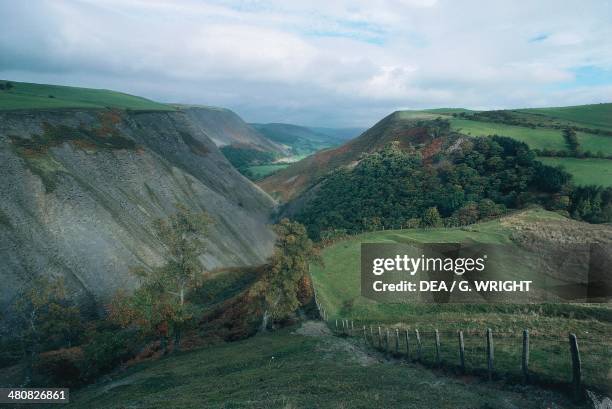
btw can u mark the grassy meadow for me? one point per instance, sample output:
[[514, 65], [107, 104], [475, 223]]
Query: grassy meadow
[[594, 115], [261, 171], [585, 171], [24, 95], [539, 138], [337, 281], [295, 368]]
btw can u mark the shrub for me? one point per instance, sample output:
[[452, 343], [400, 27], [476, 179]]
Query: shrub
[[61, 368]]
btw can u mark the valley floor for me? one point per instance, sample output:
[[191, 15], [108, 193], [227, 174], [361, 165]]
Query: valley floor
[[301, 367]]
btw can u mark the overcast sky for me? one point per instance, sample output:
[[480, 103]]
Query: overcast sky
[[318, 62]]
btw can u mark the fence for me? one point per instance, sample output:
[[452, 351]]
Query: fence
[[516, 357]]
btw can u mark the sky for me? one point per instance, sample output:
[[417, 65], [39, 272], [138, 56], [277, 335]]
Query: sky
[[318, 62]]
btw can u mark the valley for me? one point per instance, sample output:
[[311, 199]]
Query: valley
[[89, 176]]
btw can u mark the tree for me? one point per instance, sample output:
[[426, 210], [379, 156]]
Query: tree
[[431, 218], [571, 139], [288, 266], [44, 318], [159, 304]]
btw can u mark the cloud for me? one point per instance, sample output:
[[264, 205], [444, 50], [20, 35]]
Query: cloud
[[320, 62]]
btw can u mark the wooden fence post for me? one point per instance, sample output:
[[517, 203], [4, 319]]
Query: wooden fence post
[[576, 365], [336, 324], [365, 335], [407, 346], [379, 338], [352, 327], [490, 353], [419, 348], [387, 349], [461, 351], [372, 335], [396, 341], [438, 358], [525, 360]]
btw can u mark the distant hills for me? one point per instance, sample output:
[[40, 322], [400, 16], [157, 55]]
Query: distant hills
[[303, 140], [541, 128]]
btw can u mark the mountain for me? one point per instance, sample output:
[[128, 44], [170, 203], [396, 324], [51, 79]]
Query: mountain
[[226, 128], [81, 186], [304, 140], [288, 183]]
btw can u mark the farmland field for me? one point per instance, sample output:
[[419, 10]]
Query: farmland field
[[585, 171], [539, 138], [261, 171], [595, 115]]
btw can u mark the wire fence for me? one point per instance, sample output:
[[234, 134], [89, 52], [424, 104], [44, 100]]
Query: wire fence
[[545, 359]]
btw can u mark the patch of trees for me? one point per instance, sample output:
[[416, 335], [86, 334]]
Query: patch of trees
[[241, 158], [392, 188], [592, 204], [571, 140], [502, 117], [570, 154], [6, 86]]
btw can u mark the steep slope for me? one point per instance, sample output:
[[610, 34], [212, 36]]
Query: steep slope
[[304, 140], [225, 128], [404, 127], [79, 190]]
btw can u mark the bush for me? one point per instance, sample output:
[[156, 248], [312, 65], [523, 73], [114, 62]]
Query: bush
[[60, 368], [107, 349]]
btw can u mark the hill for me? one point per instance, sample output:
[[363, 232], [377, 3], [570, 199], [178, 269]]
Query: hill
[[288, 183], [541, 129], [594, 115], [27, 96], [304, 140], [297, 367], [226, 128], [338, 283], [81, 188]]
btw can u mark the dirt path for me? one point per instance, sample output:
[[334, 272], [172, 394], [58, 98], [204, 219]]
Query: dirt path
[[332, 345]]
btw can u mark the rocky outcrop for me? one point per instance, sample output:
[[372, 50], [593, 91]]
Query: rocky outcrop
[[79, 190]]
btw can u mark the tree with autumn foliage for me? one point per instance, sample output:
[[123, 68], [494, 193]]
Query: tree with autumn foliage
[[287, 273], [159, 304]]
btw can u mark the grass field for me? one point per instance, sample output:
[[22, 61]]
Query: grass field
[[295, 370], [261, 171], [40, 96], [338, 283], [539, 138], [585, 171], [594, 115]]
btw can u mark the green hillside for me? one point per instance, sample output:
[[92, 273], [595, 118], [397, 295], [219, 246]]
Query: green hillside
[[542, 129], [23, 95], [293, 368], [585, 171], [337, 280], [596, 115]]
